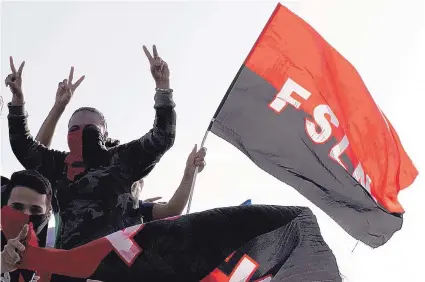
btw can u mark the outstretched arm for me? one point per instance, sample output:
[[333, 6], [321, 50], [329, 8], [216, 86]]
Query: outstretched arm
[[137, 158], [63, 96], [29, 152], [47, 129], [179, 200]]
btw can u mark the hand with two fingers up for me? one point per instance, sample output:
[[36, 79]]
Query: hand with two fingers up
[[66, 89], [14, 82], [159, 69], [13, 250]]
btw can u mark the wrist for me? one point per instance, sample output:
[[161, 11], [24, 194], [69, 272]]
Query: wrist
[[17, 101], [188, 174], [58, 107], [163, 84]]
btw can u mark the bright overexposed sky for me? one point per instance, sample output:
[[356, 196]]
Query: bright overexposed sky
[[204, 44]]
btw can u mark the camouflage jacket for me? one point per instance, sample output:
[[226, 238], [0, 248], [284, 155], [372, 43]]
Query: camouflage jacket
[[98, 201]]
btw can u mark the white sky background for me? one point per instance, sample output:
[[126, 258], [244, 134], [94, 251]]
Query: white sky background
[[204, 44]]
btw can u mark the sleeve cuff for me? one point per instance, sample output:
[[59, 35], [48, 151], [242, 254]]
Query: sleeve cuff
[[16, 110], [146, 211], [164, 100]]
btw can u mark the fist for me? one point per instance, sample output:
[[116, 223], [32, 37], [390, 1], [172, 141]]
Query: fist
[[195, 160]]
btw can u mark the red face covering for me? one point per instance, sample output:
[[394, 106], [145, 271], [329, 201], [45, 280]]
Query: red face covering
[[12, 222], [78, 262], [87, 150], [74, 160]]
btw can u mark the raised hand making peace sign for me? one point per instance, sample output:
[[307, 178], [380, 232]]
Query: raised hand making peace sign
[[14, 81], [66, 89], [11, 254], [159, 69]]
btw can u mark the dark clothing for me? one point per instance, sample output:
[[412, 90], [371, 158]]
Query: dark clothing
[[146, 211], [4, 180], [259, 243], [98, 201]]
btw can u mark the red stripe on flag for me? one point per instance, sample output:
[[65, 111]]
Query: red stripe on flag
[[84, 260], [290, 51]]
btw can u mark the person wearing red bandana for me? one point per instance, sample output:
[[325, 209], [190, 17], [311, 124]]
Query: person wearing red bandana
[[92, 183], [149, 209], [30, 193]]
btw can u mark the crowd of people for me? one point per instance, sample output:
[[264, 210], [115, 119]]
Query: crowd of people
[[94, 189]]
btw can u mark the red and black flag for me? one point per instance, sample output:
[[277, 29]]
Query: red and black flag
[[235, 244], [301, 112]]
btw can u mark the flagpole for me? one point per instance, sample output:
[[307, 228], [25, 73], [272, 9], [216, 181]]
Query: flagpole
[[208, 130], [224, 100]]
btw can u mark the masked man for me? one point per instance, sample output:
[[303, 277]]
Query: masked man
[[30, 193], [92, 183]]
